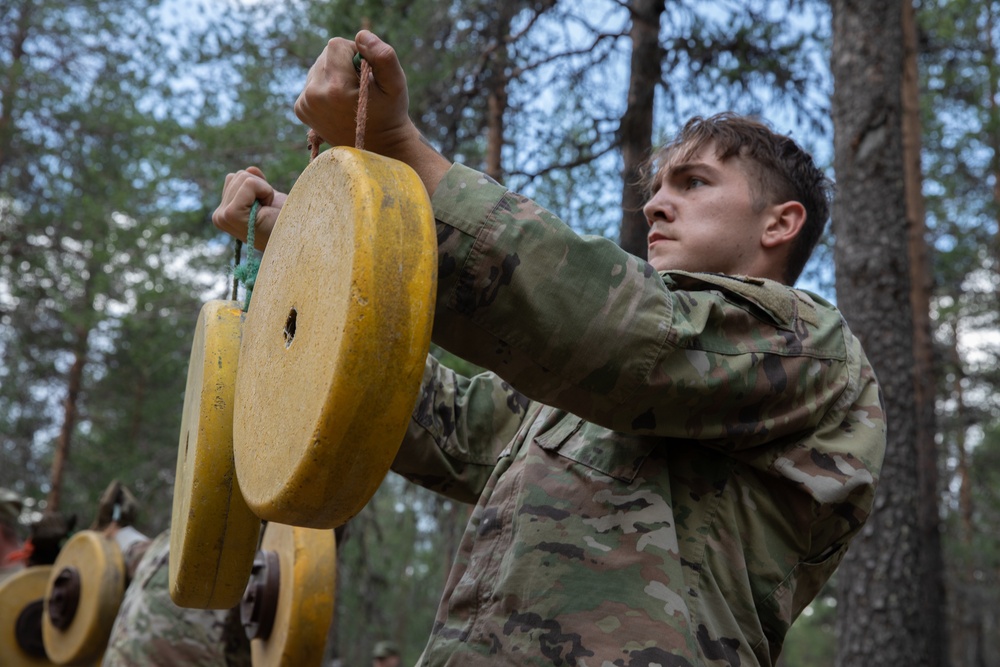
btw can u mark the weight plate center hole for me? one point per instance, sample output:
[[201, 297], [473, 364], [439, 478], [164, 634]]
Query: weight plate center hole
[[290, 328]]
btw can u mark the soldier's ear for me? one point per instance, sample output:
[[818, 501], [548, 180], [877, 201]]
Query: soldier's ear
[[784, 223]]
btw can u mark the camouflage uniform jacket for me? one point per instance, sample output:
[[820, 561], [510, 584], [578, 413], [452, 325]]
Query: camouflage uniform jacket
[[667, 466], [151, 631]]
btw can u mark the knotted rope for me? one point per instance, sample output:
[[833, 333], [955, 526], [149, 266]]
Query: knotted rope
[[247, 273]]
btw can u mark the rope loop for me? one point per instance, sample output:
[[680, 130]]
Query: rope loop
[[247, 273]]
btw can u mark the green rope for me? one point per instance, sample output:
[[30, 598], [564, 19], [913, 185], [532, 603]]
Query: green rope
[[247, 273]]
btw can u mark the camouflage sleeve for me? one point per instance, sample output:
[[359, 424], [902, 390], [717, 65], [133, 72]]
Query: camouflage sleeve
[[151, 630], [579, 324], [458, 429]]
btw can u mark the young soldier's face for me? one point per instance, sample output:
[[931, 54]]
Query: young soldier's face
[[701, 218]]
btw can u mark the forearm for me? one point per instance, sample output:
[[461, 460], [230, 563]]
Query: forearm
[[414, 150]]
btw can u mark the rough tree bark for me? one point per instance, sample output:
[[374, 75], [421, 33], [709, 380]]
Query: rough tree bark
[[496, 87], [924, 370], [636, 130], [10, 81], [880, 620], [990, 51], [74, 382]]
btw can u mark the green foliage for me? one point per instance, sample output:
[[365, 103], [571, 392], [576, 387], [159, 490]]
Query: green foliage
[[812, 640], [83, 228], [392, 567], [572, 67], [962, 167], [985, 540], [960, 79]]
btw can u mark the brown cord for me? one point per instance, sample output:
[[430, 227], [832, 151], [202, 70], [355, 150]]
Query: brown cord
[[362, 117], [314, 141]]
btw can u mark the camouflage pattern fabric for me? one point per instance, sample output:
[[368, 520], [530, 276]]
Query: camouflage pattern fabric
[[150, 630], [667, 466]]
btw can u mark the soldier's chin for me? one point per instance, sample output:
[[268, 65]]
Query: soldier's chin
[[660, 262]]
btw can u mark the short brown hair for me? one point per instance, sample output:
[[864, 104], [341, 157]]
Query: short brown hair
[[785, 172]]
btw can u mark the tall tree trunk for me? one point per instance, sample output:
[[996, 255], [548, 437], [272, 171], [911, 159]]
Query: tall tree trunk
[[880, 620], [636, 130], [496, 105], [10, 80], [74, 382], [496, 83], [966, 611], [924, 371], [963, 420], [993, 126], [135, 424]]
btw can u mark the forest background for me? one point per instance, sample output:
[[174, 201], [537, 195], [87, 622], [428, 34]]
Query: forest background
[[120, 118]]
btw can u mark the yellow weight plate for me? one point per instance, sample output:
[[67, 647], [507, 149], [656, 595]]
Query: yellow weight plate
[[308, 567], [84, 591], [21, 600], [213, 534], [335, 339]]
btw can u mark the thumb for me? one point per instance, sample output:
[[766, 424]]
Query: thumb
[[256, 172], [385, 65]]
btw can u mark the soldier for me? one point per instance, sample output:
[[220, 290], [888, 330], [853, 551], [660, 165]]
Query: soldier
[[385, 654], [150, 629], [669, 457], [46, 535], [10, 542]]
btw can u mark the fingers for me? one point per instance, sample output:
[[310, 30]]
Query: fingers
[[240, 191], [386, 69], [327, 101]]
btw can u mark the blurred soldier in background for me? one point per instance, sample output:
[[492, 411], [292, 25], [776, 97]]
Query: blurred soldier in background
[[386, 654], [10, 541], [150, 630], [46, 535]]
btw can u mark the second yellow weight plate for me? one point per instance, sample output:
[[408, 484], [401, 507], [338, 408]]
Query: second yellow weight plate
[[213, 534]]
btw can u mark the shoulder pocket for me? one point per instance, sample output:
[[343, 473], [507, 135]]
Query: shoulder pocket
[[617, 455], [767, 300]]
